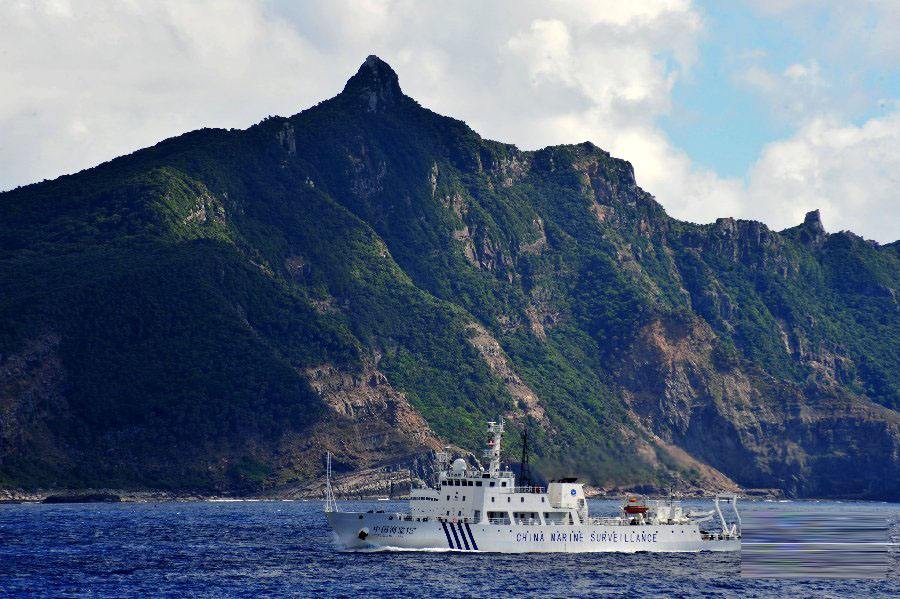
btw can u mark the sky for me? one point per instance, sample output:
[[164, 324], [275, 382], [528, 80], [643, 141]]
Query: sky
[[753, 109]]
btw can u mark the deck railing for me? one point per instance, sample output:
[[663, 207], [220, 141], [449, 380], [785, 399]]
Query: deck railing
[[528, 489]]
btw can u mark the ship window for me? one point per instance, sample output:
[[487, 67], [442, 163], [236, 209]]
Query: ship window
[[492, 483], [523, 500], [542, 499], [508, 499], [448, 512], [468, 483], [478, 483], [459, 513], [464, 497], [503, 484], [448, 498], [492, 500]]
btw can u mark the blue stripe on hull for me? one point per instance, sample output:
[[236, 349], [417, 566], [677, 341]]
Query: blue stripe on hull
[[471, 537], [462, 533], [455, 538], [447, 533]]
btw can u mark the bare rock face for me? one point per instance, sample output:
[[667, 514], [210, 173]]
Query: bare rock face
[[762, 432], [812, 231], [287, 139], [367, 174], [369, 425]]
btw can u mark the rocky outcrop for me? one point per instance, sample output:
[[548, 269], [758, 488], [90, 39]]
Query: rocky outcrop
[[375, 86], [367, 174], [287, 139], [811, 232]]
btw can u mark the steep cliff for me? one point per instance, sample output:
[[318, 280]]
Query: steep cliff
[[372, 278]]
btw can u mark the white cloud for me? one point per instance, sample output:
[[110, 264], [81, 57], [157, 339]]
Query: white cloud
[[92, 80], [794, 93], [863, 30], [84, 82], [851, 172]]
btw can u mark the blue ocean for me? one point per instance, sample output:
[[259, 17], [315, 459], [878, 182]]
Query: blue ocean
[[253, 548]]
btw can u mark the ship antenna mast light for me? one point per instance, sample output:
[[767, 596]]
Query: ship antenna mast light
[[442, 458], [492, 452]]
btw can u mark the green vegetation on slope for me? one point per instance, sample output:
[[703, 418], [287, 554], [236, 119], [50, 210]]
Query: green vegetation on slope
[[191, 284]]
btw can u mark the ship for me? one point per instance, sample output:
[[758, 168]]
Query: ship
[[476, 509]]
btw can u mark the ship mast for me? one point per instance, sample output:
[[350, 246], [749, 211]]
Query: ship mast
[[493, 447], [330, 502], [524, 466]]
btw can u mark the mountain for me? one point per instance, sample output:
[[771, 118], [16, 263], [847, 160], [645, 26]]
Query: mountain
[[372, 278]]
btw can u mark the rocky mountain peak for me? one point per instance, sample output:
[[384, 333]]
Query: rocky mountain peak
[[813, 221], [812, 231], [375, 84]]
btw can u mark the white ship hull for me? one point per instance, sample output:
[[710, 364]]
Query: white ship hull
[[372, 531]]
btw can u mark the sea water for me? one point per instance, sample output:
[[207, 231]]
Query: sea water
[[284, 548]]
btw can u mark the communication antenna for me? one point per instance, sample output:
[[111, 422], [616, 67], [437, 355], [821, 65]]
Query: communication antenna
[[525, 467], [493, 446], [330, 502]]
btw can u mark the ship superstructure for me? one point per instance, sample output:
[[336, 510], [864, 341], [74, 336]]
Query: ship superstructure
[[472, 508]]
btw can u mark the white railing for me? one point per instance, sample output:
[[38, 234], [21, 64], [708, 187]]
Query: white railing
[[532, 489], [606, 521]]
